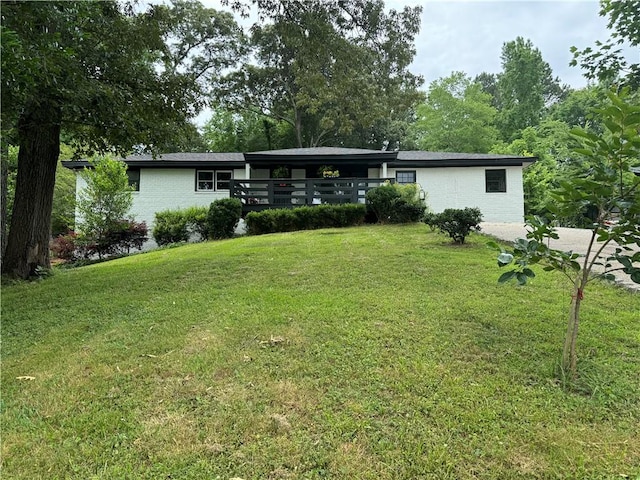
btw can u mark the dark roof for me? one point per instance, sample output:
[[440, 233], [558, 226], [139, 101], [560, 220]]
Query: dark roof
[[320, 155], [319, 151], [209, 159], [418, 158]]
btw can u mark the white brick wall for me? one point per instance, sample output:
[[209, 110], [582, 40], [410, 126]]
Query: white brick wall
[[460, 187], [451, 187], [167, 189]]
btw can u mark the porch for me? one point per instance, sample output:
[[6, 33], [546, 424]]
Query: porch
[[261, 194]]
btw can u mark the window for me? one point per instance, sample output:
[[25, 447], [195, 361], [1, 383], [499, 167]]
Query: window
[[404, 177], [223, 180], [496, 180], [213, 180], [134, 178], [204, 180]]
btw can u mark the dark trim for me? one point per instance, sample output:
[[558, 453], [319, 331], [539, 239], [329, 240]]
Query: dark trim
[[484, 162], [368, 159], [316, 157], [413, 172], [200, 164]]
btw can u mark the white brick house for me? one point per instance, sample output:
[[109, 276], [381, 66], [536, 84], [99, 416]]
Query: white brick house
[[493, 183]]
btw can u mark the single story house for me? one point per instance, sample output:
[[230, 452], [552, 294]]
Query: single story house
[[490, 182]]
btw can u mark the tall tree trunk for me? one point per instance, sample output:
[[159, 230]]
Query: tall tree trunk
[[28, 242]]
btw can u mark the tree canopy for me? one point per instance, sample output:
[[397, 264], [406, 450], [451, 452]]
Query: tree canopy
[[525, 86], [108, 77], [326, 68], [456, 117]]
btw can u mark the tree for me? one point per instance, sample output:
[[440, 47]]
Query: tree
[[457, 117], [247, 131], [105, 75], [489, 82], [104, 201], [610, 194], [550, 142], [576, 109], [311, 56], [607, 62], [525, 87]]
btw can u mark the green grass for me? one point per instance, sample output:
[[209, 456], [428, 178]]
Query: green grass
[[364, 353]]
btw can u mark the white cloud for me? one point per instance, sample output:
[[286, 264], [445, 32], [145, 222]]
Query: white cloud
[[468, 35]]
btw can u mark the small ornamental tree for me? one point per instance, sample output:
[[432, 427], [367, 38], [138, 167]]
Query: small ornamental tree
[[104, 202], [457, 223], [609, 193]]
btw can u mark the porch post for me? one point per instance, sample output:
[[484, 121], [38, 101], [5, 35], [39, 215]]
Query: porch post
[[247, 171], [384, 169]]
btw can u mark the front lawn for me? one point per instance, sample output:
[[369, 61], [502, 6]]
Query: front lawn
[[378, 352]]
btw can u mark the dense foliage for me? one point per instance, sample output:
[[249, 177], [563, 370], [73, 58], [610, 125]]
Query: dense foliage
[[175, 226], [119, 239], [105, 75], [395, 203], [457, 223], [104, 204], [307, 57], [456, 117], [223, 218], [305, 218]]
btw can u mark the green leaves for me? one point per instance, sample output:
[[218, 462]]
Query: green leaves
[[505, 259], [457, 117], [311, 56]]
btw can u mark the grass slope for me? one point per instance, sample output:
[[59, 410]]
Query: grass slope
[[364, 353]]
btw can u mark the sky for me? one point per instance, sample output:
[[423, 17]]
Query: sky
[[468, 35]]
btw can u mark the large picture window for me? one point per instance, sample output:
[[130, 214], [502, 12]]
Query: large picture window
[[496, 180], [404, 177], [208, 180]]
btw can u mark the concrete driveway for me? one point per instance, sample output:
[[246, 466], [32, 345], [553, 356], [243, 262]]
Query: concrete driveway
[[576, 239]]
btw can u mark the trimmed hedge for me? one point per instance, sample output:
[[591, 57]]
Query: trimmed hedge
[[305, 218], [394, 203], [171, 226], [217, 221], [223, 218]]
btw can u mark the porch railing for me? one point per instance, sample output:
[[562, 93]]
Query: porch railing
[[260, 194]]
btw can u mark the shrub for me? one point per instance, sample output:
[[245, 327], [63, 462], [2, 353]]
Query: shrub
[[223, 217], [104, 202], [118, 239], [170, 226], [394, 203], [457, 223], [130, 234], [305, 218], [197, 221], [64, 247]]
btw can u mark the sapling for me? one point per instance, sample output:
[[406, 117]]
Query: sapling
[[607, 189]]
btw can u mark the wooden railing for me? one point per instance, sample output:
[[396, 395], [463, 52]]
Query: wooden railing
[[260, 194]]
